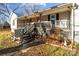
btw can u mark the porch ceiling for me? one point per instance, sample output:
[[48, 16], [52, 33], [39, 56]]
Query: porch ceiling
[[66, 7], [33, 15], [57, 10]]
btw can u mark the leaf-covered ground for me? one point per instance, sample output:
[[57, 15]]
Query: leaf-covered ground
[[43, 50], [38, 50]]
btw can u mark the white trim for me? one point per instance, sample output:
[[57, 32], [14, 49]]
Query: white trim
[[72, 24]]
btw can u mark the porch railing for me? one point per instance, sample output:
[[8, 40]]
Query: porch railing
[[65, 24]]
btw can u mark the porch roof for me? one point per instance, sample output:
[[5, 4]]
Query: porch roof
[[58, 9]]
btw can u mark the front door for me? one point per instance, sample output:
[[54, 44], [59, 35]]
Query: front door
[[52, 19]]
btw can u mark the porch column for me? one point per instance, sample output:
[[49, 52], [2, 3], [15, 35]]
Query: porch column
[[72, 24]]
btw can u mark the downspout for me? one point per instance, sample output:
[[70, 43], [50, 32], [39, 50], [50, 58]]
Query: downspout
[[73, 24]]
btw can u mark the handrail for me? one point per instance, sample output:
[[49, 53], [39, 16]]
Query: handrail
[[29, 28]]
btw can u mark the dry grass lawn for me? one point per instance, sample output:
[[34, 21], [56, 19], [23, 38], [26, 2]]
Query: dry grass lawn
[[5, 39]]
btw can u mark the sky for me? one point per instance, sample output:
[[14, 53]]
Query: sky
[[22, 9], [15, 5]]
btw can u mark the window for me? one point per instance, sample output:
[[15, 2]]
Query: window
[[53, 17], [13, 22]]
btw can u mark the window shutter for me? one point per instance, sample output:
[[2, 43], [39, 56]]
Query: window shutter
[[57, 16], [48, 17]]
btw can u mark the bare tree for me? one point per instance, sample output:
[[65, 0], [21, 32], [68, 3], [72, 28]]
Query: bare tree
[[4, 9]]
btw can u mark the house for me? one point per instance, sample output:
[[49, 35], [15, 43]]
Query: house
[[64, 16], [1, 26], [5, 25], [13, 23]]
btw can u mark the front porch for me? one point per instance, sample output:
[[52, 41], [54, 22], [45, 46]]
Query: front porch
[[45, 29], [58, 21]]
